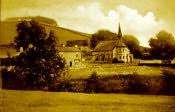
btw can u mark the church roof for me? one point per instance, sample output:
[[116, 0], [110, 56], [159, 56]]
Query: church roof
[[109, 45], [119, 32]]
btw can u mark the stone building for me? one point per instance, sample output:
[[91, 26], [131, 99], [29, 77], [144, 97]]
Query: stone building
[[107, 51], [72, 55]]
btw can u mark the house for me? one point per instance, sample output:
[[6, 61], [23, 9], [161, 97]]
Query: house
[[8, 51], [108, 51], [72, 55], [173, 61], [81, 44]]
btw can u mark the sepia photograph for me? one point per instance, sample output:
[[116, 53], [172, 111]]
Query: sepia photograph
[[87, 56]]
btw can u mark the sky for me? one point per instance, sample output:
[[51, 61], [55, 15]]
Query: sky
[[141, 18]]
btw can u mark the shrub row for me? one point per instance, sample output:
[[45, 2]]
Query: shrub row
[[133, 83]]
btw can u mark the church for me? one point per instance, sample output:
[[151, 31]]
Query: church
[[112, 50]]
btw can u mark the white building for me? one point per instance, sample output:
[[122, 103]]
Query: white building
[[72, 55]]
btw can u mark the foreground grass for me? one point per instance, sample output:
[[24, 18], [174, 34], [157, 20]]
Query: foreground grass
[[37, 101]]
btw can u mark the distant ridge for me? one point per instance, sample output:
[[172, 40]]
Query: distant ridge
[[37, 18], [8, 30]]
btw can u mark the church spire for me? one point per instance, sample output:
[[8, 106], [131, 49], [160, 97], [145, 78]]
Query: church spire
[[119, 32]]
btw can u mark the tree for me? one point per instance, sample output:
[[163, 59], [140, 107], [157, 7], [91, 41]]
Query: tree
[[163, 46], [39, 65], [102, 35], [29, 32], [133, 44]]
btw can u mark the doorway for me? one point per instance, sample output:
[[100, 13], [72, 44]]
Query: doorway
[[70, 63]]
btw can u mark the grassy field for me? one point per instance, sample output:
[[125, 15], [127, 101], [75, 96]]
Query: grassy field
[[114, 69], [37, 101]]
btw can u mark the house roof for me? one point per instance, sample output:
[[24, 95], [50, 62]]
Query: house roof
[[68, 49], [109, 45]]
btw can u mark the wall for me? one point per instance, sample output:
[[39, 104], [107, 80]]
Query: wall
[[74, 57], [106, 56], [122, 54]]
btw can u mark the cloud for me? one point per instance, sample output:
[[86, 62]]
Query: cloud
[[143, 27], [132, 22], [91, 17]]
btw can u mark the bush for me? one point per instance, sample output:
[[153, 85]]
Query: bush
[[136, 84], [92, 83], [11, 80], [111, 86], [168, 84], [7, 61], [153, 84], [107, 84], [78, 86], [62, 83], [115, 60]]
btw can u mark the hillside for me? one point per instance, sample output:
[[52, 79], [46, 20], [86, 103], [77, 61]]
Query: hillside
[[36, 101], [8, 30]]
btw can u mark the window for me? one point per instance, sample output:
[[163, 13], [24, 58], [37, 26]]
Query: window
[[120, 57], [123, 57], [76, 55], [76, 61]]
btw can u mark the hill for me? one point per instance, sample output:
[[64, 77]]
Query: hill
[[8, 30]]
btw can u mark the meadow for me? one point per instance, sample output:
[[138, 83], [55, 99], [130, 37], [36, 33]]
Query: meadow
[[38, 101], [114, 69], [110, 78]]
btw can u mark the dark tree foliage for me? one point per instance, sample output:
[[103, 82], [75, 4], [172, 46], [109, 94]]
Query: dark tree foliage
[[131, 41], [92, 83], [39, 65], [163, 46], [100, 36], [145, 53], [168, 85], [136, 84], [133, 45], [9, 61], [29, 32]]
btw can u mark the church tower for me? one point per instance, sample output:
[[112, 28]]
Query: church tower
[[119, 32]]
